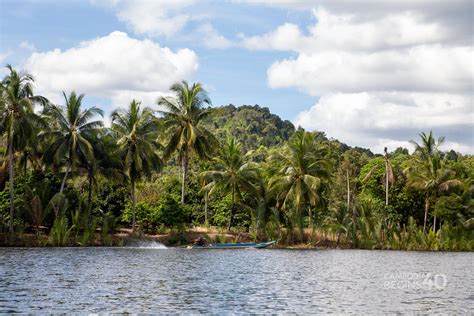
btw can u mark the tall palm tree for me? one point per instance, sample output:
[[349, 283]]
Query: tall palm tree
[[233, 173], [137, 132], [430, 172], [104, 162], [301, 172], [70, 125], [183, 114], [388, 176], [18, 118]]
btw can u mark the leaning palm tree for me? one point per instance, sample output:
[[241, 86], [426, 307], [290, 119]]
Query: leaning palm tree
[[299, 178], [18, 118], [232, 173], [67, 135], [137, 132], [430, 172], [183, 114]]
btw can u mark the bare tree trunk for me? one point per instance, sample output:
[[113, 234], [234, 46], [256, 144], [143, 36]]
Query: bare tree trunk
[[310, 213], [185, 173], [64, 179], [427, 206], [206, 222], [132, 185], [10, 171], [434, 223], [354, 214], [386, 182], [232, 208], [89, 195], [348, 192]]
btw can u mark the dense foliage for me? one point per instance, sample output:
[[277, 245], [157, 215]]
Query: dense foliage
[[62, 173]]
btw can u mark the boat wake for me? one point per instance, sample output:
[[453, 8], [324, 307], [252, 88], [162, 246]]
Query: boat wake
[[146, 244]]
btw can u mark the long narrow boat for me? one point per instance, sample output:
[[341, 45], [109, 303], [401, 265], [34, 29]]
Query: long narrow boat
[[235, 246]]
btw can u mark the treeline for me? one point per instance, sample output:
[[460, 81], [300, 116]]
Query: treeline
[[64, 175]]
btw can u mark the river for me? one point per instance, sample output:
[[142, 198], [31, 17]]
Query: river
[[155, 280]]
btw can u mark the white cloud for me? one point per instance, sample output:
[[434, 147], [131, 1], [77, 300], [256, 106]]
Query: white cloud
[[391, 119], [212, 38], [151, 17], [418, 68], [336, 32], [382, 76], [114, 67], [27, 45]]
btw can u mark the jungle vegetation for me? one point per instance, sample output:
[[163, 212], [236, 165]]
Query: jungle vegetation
[[182, 162]]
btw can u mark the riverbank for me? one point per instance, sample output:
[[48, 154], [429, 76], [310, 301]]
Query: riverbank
[[313, 239], [171, 238]]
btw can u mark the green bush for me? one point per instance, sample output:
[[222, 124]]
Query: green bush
[[168, 212]]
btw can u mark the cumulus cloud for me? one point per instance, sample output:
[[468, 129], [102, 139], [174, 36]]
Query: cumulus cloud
[[382, 119], [151, 17], [114, 67], [381, 76], [212, 38]]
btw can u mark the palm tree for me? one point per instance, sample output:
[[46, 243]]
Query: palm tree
[[18, 118], [298, 180], [232, 173], [136, 131], [68, 132], [430, 172], [104, 162], [388, 176], [183, 114]]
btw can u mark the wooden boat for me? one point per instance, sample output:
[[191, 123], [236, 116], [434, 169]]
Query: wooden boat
[[235, 246]]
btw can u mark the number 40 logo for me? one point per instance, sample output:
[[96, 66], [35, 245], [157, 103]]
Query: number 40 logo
[[437, 281]]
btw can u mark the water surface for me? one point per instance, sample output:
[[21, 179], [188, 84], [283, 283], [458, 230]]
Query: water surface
[[139, 280]]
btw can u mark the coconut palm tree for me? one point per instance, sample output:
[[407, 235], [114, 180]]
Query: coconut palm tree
[[434, 179], [18, 118], [136, 130], [183, 114], [299, 178], [104, 162], [67, 135], [388, 177], [430, 172], [232, 173]]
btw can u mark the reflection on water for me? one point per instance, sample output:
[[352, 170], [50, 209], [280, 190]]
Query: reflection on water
[[89, 280]]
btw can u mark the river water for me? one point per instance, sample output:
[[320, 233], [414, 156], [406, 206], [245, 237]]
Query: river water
[[153, 280]]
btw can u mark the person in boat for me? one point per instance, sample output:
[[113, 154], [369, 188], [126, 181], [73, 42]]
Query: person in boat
[[200, 242]]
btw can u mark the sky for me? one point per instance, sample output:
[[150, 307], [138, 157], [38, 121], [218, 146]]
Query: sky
[[370, 74]]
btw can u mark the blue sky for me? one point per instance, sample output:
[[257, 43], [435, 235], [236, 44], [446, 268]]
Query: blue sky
[[367, 74]]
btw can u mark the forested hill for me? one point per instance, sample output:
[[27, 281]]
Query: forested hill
[[253, 126]]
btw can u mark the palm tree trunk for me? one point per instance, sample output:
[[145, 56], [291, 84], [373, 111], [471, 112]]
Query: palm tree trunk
[[185, 173], [10, 171], [348, 192], [434, 223], [232, 208], [310, 213], [427, 206], [386, 182], [89, 195], [64, 179], [206, 222], [354, 214], [133, 203], [25, 165]]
